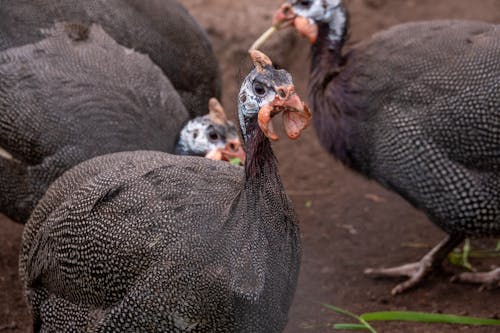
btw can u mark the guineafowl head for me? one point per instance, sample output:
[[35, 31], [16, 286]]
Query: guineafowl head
[[308, 15], [266, 92], [212, 136]]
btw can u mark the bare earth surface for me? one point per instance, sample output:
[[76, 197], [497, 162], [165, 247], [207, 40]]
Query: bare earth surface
[[348, 223]]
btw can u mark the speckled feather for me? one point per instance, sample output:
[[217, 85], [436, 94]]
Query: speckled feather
[[152, 242], [124, 238], [64, 102], [417, 108], [162, 29]]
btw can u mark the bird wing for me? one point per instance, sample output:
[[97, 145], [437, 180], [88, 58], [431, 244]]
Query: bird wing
[[163, 30], [110, 220], [436, 81]]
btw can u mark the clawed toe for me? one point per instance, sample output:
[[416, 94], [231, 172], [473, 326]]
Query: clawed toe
[[407, 270], [486, 279], [416, 272]]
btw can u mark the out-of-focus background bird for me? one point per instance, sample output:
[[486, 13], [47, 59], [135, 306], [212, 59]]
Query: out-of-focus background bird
[[417, 109], [68, 97]]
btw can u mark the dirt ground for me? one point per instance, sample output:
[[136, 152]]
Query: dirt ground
[[347, 222]]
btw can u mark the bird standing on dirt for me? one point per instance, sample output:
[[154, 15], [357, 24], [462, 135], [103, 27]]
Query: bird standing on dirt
[[416, 108], [151, 242]]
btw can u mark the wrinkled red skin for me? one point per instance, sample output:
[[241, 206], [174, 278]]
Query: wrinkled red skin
[[285, 17], [296, 122], [233, 149], [265, 124], [296, 114], [306, 28]]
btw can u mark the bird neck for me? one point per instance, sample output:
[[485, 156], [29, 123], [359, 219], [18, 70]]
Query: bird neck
[[264, 234], [264, 231], [334, 115], [326, 54], [260, 164]]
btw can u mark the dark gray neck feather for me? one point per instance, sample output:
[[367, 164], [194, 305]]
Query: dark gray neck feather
[[261, 164], [329, 92]]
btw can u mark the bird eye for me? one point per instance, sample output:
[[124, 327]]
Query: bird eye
[[259, 89], [212, 135], [305, 3]]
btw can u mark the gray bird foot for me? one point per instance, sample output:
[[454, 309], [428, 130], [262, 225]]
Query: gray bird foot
[[488, 280], [417, 271]]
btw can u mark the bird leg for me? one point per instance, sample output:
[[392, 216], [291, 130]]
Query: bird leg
[[487, 279], [417, 271]]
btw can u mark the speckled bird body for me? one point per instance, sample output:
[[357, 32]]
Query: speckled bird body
[[146, 241], [417, 108], [164, 30], [136, 235], [77, 80]]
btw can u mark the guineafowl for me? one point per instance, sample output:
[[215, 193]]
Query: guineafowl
[[151, 242], [415, 108], [78, 94], [162, 29]]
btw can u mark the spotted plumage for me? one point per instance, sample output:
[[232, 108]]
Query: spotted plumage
[[146, 26], [152, 242], [72, 92], [416, 108]]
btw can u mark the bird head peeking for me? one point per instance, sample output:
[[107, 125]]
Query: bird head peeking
[[307, 16], [266, 92], [212, 136]]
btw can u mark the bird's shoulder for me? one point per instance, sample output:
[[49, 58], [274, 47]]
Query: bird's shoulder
[[407, 51], [128, 191]]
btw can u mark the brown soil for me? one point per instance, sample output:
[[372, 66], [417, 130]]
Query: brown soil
[[348, 223]]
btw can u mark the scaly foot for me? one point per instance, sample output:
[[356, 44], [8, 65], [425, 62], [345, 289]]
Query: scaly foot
[[417, 271], [487, 279]]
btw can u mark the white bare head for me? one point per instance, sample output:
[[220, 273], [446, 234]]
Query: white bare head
[[306, 15], [212, 136]]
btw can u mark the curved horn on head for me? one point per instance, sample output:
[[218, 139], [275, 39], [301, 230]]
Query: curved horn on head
[[260, 60], [216, 111]]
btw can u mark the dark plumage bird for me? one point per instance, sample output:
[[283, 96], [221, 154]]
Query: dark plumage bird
[[76, 93], [151, 242], [162, 29], [416, 108]]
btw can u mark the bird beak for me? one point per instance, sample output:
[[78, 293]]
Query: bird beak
[[232, 151], [296, 114], [285, 17]]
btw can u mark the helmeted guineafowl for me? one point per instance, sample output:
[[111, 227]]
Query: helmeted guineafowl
[[416, 108], [151, 242], [162, 29], [78, 94]]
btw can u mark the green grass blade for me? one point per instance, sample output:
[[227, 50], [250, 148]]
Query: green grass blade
[[366, 325], [350, 327], [235, 161], [466, 255], [427, 318], [341, 311]]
